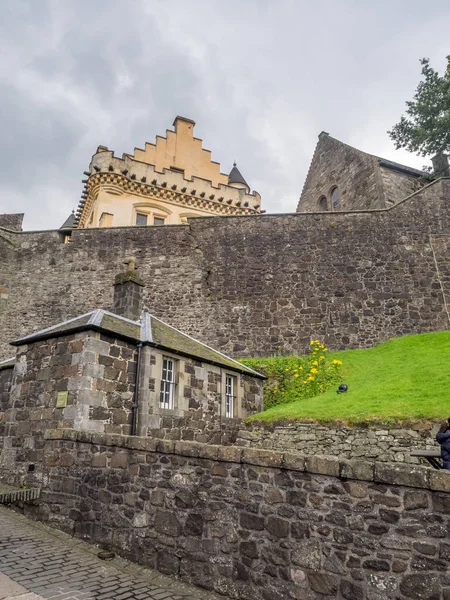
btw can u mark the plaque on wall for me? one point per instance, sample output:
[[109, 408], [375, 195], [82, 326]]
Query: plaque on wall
[[61, 401]]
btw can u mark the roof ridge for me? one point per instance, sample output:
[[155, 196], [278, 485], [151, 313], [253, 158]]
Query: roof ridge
[[380, 158], [66, 322]]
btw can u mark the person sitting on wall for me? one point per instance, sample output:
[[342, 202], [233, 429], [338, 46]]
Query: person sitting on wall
[[443, 439]]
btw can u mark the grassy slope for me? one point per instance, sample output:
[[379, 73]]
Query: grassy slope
[[404, 378]]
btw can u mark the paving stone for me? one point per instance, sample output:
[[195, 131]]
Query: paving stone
[[44, 564]]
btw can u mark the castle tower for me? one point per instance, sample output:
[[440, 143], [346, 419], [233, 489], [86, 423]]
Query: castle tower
[[164, 183]]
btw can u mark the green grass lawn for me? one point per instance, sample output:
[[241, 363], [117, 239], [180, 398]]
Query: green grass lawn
[[402, 379]]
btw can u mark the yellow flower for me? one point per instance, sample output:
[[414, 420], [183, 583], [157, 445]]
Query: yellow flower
[[325, 349], [311, 378], [301, 368], [321, 357], [311, 342], [337, 362], [296, 375], [305, 381], [316, 363], [314, 371]]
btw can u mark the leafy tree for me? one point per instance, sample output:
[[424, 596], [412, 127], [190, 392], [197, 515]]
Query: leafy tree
[[426, 128]]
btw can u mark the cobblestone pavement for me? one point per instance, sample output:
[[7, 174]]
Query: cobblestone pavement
[[40, 563]]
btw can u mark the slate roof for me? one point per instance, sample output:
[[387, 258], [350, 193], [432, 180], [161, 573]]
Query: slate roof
[[69, 223], [149, 330], [235, 176], [390, 164], [384, 162], [7, 364]]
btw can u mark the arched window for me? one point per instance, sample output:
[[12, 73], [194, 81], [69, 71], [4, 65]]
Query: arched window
[[323, 203], [335, 199]]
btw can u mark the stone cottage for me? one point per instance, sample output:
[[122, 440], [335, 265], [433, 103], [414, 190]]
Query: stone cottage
[[123, 372]]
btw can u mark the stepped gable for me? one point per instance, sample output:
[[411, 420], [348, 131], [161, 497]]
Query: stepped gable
[[164, 183], [343, 178]]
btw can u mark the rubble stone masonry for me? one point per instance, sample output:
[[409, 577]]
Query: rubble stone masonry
[[253, 524], [384, 443], [248, 285]]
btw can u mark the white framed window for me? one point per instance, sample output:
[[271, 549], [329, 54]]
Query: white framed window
[[158, 221], [230, 391], [167, 383]]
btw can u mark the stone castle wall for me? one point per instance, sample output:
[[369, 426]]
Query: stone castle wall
[[247, 285], [253, 524]]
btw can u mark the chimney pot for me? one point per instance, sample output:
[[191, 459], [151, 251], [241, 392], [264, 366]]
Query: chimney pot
[[128, 288]]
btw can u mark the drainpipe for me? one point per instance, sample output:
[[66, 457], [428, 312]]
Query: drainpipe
[[134, 409]]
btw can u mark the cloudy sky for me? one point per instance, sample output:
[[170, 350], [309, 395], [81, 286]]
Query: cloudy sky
[[261, 78]]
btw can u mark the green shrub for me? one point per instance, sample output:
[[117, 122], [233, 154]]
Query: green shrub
[[292, 378]]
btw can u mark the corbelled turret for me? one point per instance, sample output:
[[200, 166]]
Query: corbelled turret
[[235, 179]]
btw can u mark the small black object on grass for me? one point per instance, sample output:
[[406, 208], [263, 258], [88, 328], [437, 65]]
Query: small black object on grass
[[342, 388], [105, 555]]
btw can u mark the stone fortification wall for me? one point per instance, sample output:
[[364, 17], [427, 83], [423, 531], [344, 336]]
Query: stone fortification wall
[[247, 285], [381, 443], [252, 523]]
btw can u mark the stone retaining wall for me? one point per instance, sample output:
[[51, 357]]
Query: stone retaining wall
[[253, 524], [382, 443]]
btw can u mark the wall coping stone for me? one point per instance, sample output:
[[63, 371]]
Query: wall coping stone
[[389, 473]]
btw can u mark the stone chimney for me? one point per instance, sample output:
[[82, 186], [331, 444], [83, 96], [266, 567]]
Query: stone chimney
[[128, 288], [441, 167]]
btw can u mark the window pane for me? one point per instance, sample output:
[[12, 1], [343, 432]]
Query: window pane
[[323, 204], [158, 221], [141, 219], [229, 396], [335, 198], [167, 383]]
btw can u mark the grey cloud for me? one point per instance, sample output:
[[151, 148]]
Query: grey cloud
[[34, 138], [261, 78]]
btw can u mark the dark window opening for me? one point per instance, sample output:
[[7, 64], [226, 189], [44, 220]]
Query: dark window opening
[[141, 219], [177, 170], [158, 221], [336, 199], [323, 204]]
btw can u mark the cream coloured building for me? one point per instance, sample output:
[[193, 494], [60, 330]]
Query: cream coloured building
[[164, 183]]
